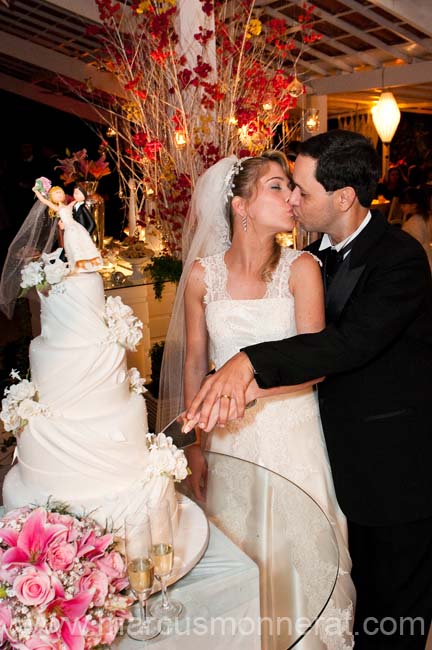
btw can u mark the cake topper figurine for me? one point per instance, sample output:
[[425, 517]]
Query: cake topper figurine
[[43, 231], [81, 252]]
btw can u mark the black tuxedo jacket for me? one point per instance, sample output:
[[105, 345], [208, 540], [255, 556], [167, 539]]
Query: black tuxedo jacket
[[376, 354], [82, 214]]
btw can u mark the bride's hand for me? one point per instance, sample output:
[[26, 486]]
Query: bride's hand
[[213, 419], [228, 387]]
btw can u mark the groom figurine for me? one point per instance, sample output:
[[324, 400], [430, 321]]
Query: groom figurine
[[376, 354]]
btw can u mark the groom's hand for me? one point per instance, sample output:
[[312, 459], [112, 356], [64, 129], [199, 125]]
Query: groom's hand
[[228, 386]]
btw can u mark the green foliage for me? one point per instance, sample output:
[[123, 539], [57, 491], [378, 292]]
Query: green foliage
[[163, 268], [156, 354]]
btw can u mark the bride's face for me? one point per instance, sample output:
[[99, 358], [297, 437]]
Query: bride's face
[[58, 196], [268, 206]]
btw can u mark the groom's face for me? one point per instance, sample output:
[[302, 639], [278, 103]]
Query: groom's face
[[313, 206]]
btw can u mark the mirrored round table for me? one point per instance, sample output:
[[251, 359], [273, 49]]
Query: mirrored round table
[[269, 569]]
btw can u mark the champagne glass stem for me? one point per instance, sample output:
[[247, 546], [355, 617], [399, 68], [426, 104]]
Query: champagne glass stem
[[143, 609], [165, 601]]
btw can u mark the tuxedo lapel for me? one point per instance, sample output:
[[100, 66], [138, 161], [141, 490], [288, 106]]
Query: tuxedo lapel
[[341, 288], [351, 269]]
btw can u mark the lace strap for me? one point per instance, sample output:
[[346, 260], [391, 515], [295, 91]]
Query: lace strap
[[278, 287], [215, 277]]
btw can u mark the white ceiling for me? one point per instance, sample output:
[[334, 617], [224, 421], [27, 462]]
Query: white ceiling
[[365, 45]]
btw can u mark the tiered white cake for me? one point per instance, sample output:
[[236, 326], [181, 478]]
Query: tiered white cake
[[90, 449]]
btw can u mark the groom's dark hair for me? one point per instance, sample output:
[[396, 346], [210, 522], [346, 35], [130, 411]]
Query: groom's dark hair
[[345, 159]]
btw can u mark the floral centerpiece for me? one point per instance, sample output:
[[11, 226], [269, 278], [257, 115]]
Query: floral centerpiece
[[184, 98], [62, 581], [136, 250], [76, 167]]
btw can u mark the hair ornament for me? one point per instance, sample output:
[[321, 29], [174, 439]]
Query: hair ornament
[[229, 182]]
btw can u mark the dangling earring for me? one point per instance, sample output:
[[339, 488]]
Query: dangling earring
[[244, 222]]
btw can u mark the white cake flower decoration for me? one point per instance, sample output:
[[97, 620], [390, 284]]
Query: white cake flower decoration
[[46, 274], [136, 382], [125, 328], [32, 275], [20, 404], [165, 459]]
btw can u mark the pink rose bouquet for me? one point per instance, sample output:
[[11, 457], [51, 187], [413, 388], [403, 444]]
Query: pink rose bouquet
[[62, 582], [43, 185]]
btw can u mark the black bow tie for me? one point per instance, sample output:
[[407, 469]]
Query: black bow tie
[[332, 261]]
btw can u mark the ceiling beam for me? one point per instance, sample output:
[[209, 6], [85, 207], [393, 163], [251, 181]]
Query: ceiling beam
[[369, 60], [60, 64], [374, 42], [88, 9], [383, 22], [83, 110], [388, 77], [82, 8], [416, 12]]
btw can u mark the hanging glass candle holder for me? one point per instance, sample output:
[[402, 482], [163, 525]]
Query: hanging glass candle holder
[[312, 120], [180, 138], [295, 88]]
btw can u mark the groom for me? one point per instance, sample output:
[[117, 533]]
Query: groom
[[375, 404]]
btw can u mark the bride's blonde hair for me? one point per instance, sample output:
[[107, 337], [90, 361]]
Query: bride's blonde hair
[[54, 188]]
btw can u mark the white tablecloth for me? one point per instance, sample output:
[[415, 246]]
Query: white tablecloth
[[221, 604]]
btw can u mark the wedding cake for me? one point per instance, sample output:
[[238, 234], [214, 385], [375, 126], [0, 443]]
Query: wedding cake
[[81, 422]]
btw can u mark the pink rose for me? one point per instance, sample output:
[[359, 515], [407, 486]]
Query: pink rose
[[33, 587], [14, 515], [98, 582], [8, 573], [5, 621], [112, 565], [61, 557], [67, 521]]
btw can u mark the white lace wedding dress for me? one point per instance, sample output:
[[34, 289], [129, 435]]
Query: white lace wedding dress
[[78, 244], [283, 434]]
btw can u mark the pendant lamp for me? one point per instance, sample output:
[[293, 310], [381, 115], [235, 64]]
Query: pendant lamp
[[386, 117]]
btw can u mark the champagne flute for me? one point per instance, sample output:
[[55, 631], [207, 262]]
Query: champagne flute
[[138, 543], [162, 554]]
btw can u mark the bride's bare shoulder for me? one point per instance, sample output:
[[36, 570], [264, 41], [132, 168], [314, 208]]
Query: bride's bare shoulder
[[196, 275]]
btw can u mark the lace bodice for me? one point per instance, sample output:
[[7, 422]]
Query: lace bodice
[[229, 320], [282, 433]]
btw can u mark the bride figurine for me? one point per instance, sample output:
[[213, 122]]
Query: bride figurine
[[81, 252]]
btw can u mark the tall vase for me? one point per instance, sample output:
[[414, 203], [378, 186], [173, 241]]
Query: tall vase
[[96, 204]]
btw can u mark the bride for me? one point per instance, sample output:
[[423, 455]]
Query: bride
[[245, 289]]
